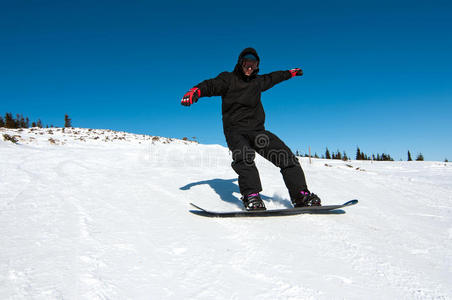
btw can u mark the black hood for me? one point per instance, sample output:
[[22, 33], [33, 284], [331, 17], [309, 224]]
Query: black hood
[[238, 67]]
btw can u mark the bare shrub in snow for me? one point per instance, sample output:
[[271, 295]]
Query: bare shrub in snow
[[10, 138]]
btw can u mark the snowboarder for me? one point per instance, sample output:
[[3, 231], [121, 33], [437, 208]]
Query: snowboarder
[[243, 126]]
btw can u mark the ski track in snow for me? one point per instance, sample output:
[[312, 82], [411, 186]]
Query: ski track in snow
[[91, 219]]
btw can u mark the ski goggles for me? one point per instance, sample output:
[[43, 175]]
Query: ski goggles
[[248, 63]]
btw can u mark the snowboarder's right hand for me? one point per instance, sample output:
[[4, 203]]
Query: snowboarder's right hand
[[191, 96]]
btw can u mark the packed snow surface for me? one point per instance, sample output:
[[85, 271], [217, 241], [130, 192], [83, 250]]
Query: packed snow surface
[[98, 214]]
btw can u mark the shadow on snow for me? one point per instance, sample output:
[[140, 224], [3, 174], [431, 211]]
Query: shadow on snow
[[225, 189]]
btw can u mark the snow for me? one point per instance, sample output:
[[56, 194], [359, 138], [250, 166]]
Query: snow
[[98, 214]]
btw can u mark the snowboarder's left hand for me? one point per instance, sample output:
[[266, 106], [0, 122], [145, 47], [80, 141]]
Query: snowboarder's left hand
[[296, 72], [191, 96]]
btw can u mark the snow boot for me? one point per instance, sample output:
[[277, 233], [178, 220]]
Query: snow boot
[[253, 202], [306, 198]]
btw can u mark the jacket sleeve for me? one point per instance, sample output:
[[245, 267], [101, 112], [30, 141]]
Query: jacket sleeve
[[269, 80], [217, 86]]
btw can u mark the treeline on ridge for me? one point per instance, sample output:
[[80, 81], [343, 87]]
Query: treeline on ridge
[[9, 121]]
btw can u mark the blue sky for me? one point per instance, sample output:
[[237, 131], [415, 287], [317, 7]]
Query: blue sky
[[378, 74]]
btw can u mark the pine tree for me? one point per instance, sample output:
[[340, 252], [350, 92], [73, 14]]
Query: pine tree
[[358, 154], [9, 121], [39, 123], [409, 156], [345, 157], [327, 154], [17, 121], [33, 124], [67, 121], [420, 157], [22, 122], [2, 123], [27, 122]]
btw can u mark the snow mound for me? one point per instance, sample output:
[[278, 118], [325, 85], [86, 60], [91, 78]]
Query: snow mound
[[78, 136], [99, 214]]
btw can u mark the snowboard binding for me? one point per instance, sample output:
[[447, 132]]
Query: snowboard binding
[[253, 202], [306, 198]]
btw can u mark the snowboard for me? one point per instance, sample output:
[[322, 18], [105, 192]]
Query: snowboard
[[327, 209]]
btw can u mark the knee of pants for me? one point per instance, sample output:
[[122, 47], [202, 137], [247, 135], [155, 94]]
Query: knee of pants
[[282, 158], [243, 156]]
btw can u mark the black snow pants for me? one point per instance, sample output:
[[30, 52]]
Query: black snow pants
[[244, 145]]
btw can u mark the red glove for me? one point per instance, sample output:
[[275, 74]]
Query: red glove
[[296, 72], [191, 96]]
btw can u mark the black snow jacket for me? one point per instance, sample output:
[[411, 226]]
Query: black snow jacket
[[241, 95]]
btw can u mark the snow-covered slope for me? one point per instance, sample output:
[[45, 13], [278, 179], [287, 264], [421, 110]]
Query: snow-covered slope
[[83, 216]]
